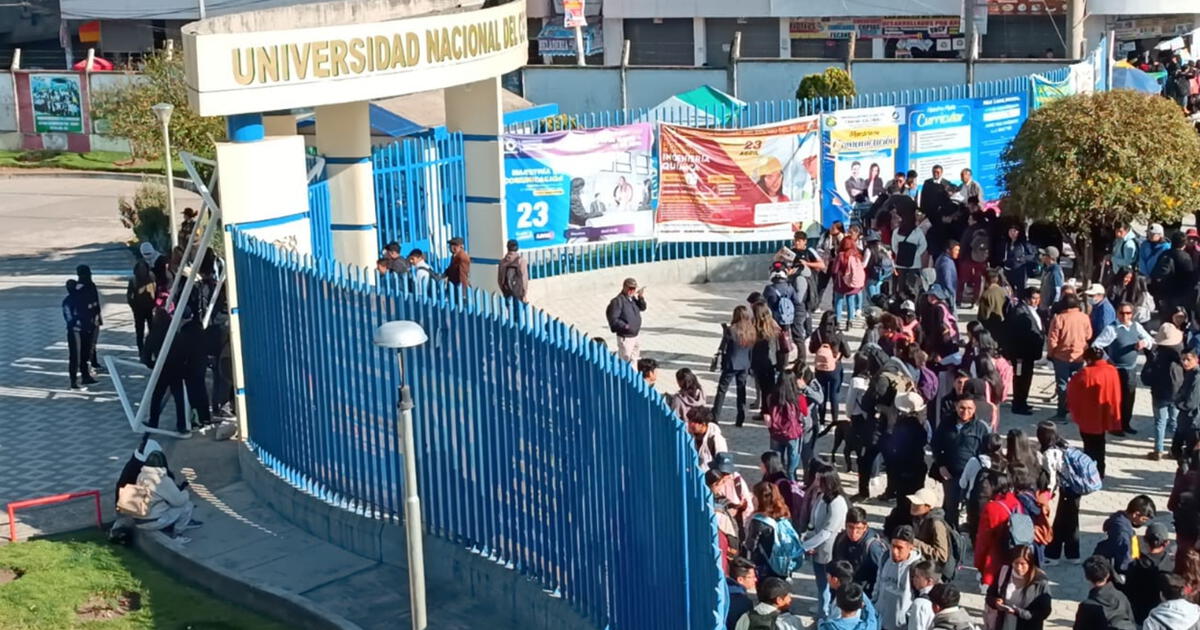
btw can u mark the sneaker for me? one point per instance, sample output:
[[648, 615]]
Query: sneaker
[[1130, 431], [182, 435], [1050, 562], [181, 540], [88, 380], [192, 524], [77, 387]]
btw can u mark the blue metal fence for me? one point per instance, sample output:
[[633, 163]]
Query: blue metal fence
[[536, 446], [421, 194], [319, 218]]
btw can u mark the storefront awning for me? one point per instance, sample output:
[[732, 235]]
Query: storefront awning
[[557, 41]]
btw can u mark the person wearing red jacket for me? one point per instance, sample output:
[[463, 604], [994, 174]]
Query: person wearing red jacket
[[991, 538], [1094, 399]]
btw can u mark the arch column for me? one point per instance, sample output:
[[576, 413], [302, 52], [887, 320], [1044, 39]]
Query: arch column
[[477, 111], [344, 138]]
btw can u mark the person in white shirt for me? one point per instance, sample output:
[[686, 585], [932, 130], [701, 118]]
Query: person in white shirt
[[923, 578]]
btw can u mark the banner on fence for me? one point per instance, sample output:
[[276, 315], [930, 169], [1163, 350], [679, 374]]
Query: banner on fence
[[860, 156], [57, 103], [580, 186], [1046, 91], [996, 122], [738, 184], [939, 134]]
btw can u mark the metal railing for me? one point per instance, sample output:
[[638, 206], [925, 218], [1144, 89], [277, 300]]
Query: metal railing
[[536, 446]]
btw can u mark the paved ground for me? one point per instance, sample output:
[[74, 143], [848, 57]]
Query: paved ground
[[53, 440], [681, 328]]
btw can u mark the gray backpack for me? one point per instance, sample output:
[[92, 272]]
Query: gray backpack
[[1020, 528]]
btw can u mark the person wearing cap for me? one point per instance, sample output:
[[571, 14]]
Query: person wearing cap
[[187, 225], [930, 527], [624, 316], [1173, 281], [1052, 274], [1151, 249], [512, 274], [1094, 398], [1103, 312], [394, 261], [1124, 340], [1068, 337], [458, 272], [1144, 573], [1164, 371], [1124, 249]]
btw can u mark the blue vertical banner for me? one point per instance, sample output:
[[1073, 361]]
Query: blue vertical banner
[[996, 122], [939, 134]]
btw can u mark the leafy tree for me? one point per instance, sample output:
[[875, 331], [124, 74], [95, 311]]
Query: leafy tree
[[127, 111], [833, 82], [1089, 161]]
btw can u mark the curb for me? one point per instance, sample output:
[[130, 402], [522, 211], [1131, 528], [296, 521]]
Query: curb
[[290, 609], [180, 182]]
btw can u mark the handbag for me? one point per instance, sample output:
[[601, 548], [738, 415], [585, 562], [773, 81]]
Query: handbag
[[134, 500]]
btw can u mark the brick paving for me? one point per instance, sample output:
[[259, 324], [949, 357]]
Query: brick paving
[[681, 328]]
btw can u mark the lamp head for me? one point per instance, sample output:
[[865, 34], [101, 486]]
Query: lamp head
[[163, 112], [400, 334]]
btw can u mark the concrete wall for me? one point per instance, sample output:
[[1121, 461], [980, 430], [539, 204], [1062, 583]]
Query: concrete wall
[[888, 75], [683, 271], [993, 70], [8, 103], [451, 571], [576, 90], [650, 86], [776, 80]]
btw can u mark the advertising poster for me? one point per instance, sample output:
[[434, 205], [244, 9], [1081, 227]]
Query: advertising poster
[[56, 103], [938, 133], [573, 15], [580, 186], [860, 156], [1046, 91], [738, 184], [997, 121]]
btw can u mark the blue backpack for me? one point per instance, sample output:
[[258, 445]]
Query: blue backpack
[[1079, 473], [787, 550], [783, 306]]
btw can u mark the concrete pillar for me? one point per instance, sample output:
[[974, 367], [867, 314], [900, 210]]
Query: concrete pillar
[[785, 38], [476, 110], [1075, 16], [614, 39], [878, 48], [344, 138], [279, 124], [264, 192], [699, 41]]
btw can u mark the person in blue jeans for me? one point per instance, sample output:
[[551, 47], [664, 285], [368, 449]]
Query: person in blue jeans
[[1164, 373], [828, 519], [829, 348]]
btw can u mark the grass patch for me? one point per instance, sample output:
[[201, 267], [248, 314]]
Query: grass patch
[[82, 581], [91, 161]]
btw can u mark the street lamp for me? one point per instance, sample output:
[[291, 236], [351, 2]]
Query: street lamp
[[163, 112], [400, 335]]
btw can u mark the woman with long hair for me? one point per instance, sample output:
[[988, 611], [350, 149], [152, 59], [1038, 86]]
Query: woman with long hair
[[737, 339], [827, 520], [784, 415], [764, 355], [991, 535], [140, 296], [1021, 452], [874, 181], [849, 279], [1020, 598], [828, 347], [760, 532], [690, 394]]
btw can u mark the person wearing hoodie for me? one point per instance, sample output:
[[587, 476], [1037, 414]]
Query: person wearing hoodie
[[707, 435], [1020, 597], [89, 297], [862, 547], [946, 613], [170, 506], [1151, 249], [1105, 608], [853, 611], [1173, 281], [739, 583], [512, 274], [893, 591], [1175, 612], [690, 395], [1163, 372], [1142, 578], [771, 611], [1120, 545], [1124, 249]]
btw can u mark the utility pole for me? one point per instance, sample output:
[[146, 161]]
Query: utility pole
[[201, 9], [1075, 15]]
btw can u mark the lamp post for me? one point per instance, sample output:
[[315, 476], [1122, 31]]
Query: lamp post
[[163, 112], [400, 335]]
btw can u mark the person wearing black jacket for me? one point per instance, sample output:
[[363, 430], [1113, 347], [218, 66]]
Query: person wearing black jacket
[[1105, 607], [1025, 338], [1142, 577], [1163, 372], [625, 319], [1172, 281], [737, 340], [174, 370], [954, 444], [89, 297], [862, 547]]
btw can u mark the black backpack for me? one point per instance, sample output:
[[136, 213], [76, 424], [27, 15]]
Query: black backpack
[[958, 547], [762, 622]]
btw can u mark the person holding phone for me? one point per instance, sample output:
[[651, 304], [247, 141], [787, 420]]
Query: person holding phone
[[1020, 598]]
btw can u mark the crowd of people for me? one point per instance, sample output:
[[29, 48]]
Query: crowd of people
[[959, 307]]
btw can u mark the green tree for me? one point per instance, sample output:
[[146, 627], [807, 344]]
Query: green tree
[[833, 82], [1089, 161], [127, 111]]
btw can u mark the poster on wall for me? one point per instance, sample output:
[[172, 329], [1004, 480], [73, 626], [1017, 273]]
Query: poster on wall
[[759, 183], [1046, 91], [57, 103], [580, 186], [860, 156], [996, 122], [939, 134]]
